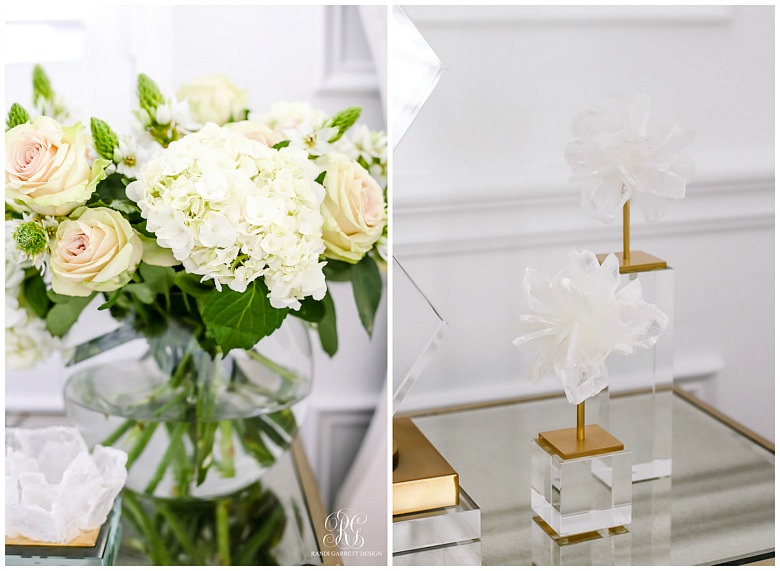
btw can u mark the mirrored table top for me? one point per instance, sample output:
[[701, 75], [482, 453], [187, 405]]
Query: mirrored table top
[[718, 506]]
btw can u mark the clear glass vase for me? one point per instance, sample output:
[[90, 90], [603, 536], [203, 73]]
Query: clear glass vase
[[193, 425]]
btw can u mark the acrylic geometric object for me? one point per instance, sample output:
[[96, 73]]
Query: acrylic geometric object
[[421, 327], [416, 67], [435, 528], [581, 495], [647, 430]]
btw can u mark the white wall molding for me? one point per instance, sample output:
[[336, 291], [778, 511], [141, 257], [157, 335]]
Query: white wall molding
[[332, 437], [510, 215], [569, 15], [347, 64], [691, 373]]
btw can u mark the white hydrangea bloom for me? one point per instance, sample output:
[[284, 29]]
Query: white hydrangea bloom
[[232, 209]]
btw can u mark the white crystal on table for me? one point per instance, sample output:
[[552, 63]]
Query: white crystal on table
[[55, 488]]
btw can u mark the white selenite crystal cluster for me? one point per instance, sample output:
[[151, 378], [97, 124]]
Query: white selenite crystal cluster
[[54, 488], [581, 316], [623, 150]]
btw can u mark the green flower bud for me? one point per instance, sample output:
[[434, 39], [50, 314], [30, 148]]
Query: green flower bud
[[16, 116], [31, 238], [104, 137], [343, 120], [149, 95], [41, 85]]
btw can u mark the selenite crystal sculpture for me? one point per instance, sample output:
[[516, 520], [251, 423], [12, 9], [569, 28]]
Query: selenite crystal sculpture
[[580, 316], [54, 488]]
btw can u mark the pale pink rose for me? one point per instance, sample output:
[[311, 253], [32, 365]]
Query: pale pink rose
[[47, 167], [98, 250], [256, 131], [353, 210]]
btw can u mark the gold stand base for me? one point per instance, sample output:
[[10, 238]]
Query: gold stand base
[[578, 537], [639, 262], [84, 539], [564, 442], [422, 479]]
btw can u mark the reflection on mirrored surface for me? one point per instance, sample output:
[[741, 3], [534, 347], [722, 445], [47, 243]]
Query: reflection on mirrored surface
[[718, 505]]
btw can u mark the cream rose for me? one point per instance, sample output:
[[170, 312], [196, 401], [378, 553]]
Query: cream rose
[[47, 168], [353, 211], [96, 250], [256, 131], [214, 99]]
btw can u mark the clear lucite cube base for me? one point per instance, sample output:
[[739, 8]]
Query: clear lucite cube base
[[646, 427], [435, 528], [465, 553], [583, 494], [605, 547]]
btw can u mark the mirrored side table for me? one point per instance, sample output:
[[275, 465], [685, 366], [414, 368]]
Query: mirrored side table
[[717, 508]]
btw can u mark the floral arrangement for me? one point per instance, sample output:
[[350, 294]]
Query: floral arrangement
[[580, 316], [622, 151], [229, 219]]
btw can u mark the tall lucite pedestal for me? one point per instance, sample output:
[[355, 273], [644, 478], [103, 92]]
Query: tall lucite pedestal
[[648, 431]]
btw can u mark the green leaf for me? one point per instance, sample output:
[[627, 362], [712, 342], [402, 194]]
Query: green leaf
[[125, 207], [111, 300], [160, 279], [35, 295], [321, 177], [104, 138], [338, 271], [191, 284], [141, 229], [112, 188], [367, 288], [281, 145], [326, 327], [240, 320], [17, 115], [142, 292], [311, 310], [344, 120], [64, 314]]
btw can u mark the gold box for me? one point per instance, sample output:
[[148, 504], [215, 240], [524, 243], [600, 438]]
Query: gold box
[[423, 479]]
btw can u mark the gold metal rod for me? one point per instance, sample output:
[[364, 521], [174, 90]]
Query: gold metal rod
[[627, 231], [580, 421]]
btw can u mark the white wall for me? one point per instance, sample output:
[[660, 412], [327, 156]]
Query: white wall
[[481, 191], [313, 53]]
